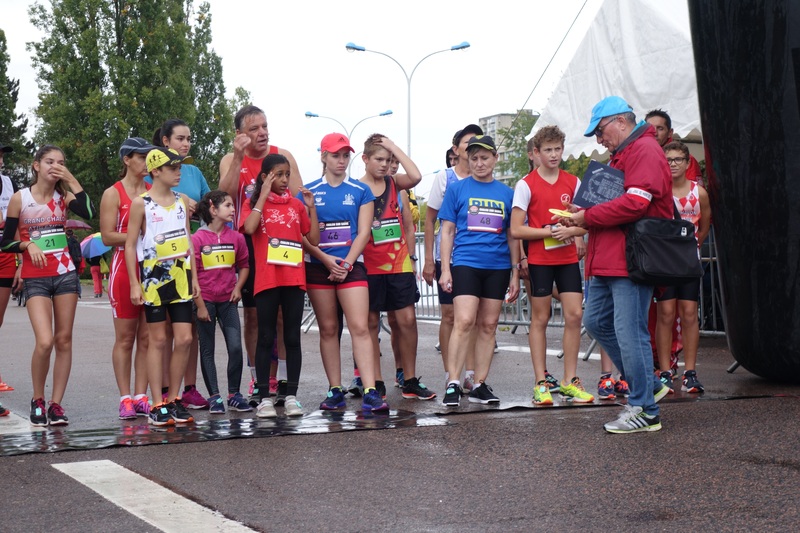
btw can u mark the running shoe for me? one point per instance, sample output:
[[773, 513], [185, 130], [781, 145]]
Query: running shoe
[[633, 420], [238, 403], [374, 402], [292, 407], [541, 394], [483, 394], [126, 410], [659, 394], [273, 386], [217, 406], [468, 384], [252, 385], [605, 388], [266, 409], [496, 349], [38, 412], [438, 348], [178, 411], [4, 411], [380, 386], [356, 387], [5, 387], [334, 400], [621, 388], [281, 397], [690, 382], [452, 395], [160, 416], [255, 397], [576, 392], [552, 382], [666, 380], [56, 416], [142, 406], [399, 380], [415, 389], [192, 399]]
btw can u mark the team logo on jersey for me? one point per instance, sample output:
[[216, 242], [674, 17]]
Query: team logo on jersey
[[318, 200], [157, 218], [565, 198], [349, 199], [181, 213]]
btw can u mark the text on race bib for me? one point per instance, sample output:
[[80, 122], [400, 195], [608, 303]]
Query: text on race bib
[[284, 252], [172, 244], [335, 234], [386, 231], [485, 219], [49, 239], [216, 256]]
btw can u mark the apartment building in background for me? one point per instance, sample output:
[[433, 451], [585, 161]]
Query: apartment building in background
[[491, 126]]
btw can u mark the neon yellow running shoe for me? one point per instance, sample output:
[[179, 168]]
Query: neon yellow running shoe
[[576, 391], [541, 394]]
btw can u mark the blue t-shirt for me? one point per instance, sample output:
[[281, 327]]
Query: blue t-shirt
[[482, 214], [193, 184], [337, 212]]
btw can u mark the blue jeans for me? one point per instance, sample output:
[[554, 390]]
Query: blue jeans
[[616, 316], [227, 314]]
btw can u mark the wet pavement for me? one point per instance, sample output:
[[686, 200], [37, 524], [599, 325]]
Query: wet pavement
[[725, 459]]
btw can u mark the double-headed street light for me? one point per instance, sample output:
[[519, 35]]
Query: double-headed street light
[[349, 132], [351, 47]]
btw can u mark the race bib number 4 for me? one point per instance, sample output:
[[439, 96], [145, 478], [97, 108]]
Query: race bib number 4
[[334, 234], [49, 239], [386, 231], [218, 256], [286, 253], [172, 244], [485, 219]]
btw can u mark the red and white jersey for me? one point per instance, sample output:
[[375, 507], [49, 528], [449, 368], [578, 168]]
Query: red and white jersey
[[43, 224], [689, 206]]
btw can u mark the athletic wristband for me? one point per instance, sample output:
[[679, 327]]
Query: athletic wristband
[[257, 210]]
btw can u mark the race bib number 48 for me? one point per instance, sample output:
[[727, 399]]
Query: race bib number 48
[[485, 219]]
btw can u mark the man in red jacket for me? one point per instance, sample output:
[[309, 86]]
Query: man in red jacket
[[616, 310]]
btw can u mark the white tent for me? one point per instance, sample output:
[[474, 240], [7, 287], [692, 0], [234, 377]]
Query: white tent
[[640, 50]]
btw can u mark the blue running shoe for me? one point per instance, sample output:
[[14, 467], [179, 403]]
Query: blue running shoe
[[334, 400], [605, 388], [238, 403], [374, 402], [216, 406], [399, 378]]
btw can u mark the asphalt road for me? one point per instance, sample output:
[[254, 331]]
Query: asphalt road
[[726, 460]]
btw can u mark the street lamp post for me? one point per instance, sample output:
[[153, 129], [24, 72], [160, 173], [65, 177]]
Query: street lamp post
[[349, 132], [351, 47]]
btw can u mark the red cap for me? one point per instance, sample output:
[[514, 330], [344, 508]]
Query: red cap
[[333, 142]]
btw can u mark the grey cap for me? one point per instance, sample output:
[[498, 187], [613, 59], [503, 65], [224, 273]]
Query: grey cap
[[134, 145]]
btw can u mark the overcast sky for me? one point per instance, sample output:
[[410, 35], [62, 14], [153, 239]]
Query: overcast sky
[[291, 57]]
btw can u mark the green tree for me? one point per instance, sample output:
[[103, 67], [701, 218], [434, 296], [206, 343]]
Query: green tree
[[513, 138], [109, 69], [13, 127]]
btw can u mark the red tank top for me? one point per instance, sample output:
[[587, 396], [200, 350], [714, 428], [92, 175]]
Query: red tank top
[[248, 174], [123, 215]]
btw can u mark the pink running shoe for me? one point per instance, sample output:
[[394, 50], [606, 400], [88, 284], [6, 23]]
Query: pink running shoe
[[192, 399], [252, 386], [142, 406], [273, 386], [127, 410]]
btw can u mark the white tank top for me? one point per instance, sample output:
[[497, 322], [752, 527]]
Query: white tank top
[[165, 235]]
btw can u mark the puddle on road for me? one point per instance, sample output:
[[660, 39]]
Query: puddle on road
[[142, 434]]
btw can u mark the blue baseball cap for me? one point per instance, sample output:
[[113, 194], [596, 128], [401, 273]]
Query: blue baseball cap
[[608, 106]]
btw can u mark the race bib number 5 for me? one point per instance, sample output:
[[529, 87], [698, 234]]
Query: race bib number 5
[[172, 244], [386, 231], [335, 234], [49, 239], [485, 219], [218, 256], [283, 252]]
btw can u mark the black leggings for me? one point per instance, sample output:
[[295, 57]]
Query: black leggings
[[291, 301]]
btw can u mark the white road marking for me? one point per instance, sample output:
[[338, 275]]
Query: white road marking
[[174, 513]]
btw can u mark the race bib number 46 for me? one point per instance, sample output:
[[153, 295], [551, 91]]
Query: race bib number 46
[[172, 244], [485, 219], [49, 239], [335, 234], [218, 256]]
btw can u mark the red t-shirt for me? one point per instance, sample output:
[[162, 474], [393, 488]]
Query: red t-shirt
[[248, 174], [278, 244], [543, 197]]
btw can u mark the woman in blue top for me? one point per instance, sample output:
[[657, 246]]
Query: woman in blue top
[[175, 134], [334, 275], [476, 241]]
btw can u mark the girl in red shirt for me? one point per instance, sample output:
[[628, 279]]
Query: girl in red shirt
[[278, 222]]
